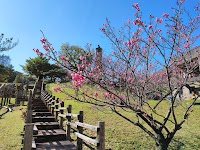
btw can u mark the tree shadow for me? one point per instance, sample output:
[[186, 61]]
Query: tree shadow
[[180, 143], [176, 144], [4, 113], [197, 103]]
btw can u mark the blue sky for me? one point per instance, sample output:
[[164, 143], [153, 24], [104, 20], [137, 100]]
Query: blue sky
[[73, 21]]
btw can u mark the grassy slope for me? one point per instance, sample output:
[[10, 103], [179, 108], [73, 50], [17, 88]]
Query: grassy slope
[[121, 134], [11, 125]]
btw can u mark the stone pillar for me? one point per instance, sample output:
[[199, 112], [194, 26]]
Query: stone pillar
[[98, 61]]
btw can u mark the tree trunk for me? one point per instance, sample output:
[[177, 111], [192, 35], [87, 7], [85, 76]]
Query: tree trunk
[[161, 143]]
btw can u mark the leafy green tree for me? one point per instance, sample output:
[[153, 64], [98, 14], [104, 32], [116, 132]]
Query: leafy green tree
[[74, 52], [37, 66], [5, 60], [57, 72], [3, 73], [19, 78], [12, 74], [7, 72]]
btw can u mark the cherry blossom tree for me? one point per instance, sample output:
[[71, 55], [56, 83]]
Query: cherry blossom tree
[[150, 58]]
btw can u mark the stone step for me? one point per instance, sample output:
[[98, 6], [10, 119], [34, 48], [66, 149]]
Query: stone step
[[50, 135], [47, 125], [43, 119], [58, 145], [42, 114], [39, 107], [38, 104], [41, 110], [37, 100]]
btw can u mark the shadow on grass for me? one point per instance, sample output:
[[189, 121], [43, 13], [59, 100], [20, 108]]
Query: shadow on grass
[[4, 113], [180, 143], [197, 103]]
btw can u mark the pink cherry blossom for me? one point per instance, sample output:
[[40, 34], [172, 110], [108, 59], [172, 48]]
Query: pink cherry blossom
[[109, 60], [55, 89], [107, 94], [46, 47], [165, 15], [158, 20], [77, 79], [186, 45], [138, 22], [43, 40], [96, 94], [150, 27], [81, 57], [102, 29], [136, 6], [62, 57], [60, 100]]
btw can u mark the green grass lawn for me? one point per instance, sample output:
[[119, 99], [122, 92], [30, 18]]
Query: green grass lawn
[[122, 135], [11, 125]]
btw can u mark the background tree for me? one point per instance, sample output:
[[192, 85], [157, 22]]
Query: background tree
[[6, 69], [3, 73], [37, 66], [7, 43], [57, 73], [19, 78], [40, 66], [12, 74], [8, 74], [73, 53], [5, 60], [146, 58]]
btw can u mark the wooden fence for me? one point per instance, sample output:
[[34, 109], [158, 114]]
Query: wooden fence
[[6, 93], [65, 115]]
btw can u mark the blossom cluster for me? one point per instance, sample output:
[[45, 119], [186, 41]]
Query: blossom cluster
[[77, 79]]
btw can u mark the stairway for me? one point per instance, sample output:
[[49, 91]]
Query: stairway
[[48, 134]]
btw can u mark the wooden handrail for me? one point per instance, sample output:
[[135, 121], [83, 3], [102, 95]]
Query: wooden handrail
[[86, 138], [88, 126]]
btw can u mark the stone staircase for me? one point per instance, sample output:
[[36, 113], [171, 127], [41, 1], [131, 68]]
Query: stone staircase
[[43, 131], [48, 134]]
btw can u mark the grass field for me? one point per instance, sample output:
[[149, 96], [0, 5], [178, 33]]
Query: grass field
[[11, 125], [122, 135]]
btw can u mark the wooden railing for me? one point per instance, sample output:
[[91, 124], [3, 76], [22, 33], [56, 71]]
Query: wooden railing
[[28, 128], [28, 142], [65, 115]]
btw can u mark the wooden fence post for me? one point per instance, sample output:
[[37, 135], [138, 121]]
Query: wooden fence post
[[29, 109], [69, 118], [16, 95], [80, 130], [1, 98], [52, 108], [49, 105], [56, 107], [61, 112], [10, 96], [28, 136], [101, 136]]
